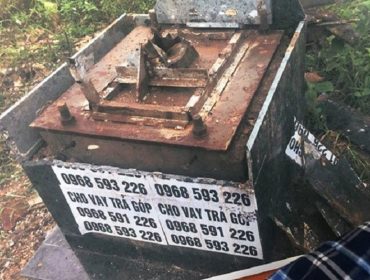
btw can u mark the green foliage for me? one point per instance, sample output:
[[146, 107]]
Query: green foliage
[[23, 14], [63, 21], [115, 8], [347, 67], [347, 71], [360, 162], [83, 17], [8, 7], [316, 119], [79, 17]]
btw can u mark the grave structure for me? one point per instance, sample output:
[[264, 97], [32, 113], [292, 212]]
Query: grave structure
[[162, 141]]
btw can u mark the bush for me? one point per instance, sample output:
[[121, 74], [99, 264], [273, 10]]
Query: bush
[[347, 67]]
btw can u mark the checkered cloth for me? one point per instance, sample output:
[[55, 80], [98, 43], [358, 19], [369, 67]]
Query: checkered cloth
[[348, 258]]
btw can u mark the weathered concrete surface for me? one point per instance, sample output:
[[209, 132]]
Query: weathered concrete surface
[[56, 260]]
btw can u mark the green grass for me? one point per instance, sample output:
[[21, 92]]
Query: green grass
[[345, 67], [59, 24]]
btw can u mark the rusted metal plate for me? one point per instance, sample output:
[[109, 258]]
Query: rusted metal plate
[[182, 77], [146, 110], [166, 77], [222, 121], [147, 121]]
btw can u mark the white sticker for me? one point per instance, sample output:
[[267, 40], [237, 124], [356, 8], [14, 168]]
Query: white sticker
[[311, 145], [160, 209]]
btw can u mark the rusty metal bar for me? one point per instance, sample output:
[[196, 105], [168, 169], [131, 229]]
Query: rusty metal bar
[[142, 77], [90, 92], [224, 80], [215, 73], [166, 77], [140, 120], [144, 110]]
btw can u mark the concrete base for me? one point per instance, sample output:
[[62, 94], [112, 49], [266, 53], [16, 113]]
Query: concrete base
[[56, 260]]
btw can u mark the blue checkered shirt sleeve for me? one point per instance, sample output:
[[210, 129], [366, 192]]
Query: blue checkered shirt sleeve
[[348, 258]]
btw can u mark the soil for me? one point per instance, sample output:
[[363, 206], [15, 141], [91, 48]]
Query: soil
[[24, 223], [24, 219]]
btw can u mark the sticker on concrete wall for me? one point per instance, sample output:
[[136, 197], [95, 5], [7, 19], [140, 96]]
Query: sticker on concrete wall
[[310, 144], [160, 209]]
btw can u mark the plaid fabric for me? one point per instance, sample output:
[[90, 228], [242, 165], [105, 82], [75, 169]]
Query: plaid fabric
[[348, 258]]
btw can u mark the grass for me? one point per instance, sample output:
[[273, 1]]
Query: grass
[[341, 146], [9, 169], [345, 67], [38, 35], [346, 71]]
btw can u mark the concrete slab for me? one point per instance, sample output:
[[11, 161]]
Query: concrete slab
[[56, 260]]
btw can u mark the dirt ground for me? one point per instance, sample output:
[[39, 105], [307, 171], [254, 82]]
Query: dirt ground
[[24, 223], [24, 219]]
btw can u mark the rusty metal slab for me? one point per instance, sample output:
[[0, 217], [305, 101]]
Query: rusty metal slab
[[222, 120], [169, 77]]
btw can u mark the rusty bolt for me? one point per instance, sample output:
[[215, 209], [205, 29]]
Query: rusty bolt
[[199, 128], [65, 115]]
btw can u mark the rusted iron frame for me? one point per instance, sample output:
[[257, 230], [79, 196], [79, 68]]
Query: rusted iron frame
[[143, 110], [209, 35], [216, 92], [184, 77], [215, 73], [111, 90], [90, 92], [222, 126], [140, 120], [179, 77], [166, 77], [154, 50], [126, 75]]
